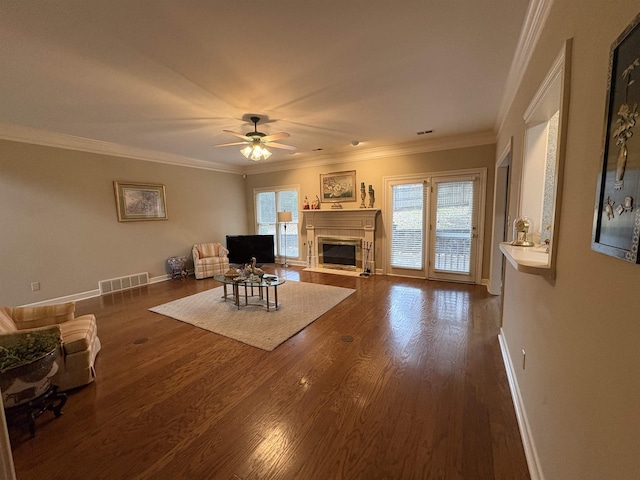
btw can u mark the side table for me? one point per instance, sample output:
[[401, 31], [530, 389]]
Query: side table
[[51, 400], [178, 266]]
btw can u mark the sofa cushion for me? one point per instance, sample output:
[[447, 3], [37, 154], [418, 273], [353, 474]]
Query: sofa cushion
[[6, 323], [78, 334], [42, 315]]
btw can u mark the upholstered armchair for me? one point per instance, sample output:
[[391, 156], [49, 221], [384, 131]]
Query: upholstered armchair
[[80, 342], [209, 259]]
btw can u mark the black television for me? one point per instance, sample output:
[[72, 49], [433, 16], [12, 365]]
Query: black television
[[243, 247]]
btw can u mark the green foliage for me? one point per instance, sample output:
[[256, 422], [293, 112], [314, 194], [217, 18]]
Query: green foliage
[[29, 347]]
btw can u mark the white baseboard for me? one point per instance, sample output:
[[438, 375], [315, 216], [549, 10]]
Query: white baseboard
[[88, 294], [533, 462]]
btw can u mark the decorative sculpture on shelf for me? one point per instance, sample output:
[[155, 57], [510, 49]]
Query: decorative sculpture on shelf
[[316, 204], [372, 197], [363, 195], [305, 204]]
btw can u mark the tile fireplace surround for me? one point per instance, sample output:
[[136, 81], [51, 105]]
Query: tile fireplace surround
[[355, 224]]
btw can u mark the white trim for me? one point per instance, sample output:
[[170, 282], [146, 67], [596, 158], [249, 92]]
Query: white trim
[[74, 297], [534, 22], [7, 471], [549, 81], [435, 145], [17, 133], [530, 451], [500, 187]]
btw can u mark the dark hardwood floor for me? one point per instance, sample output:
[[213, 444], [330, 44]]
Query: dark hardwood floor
[[419, 393]]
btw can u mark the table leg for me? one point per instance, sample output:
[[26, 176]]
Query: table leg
[[275, 292], [236, 295], [267, 289], [224, 286]]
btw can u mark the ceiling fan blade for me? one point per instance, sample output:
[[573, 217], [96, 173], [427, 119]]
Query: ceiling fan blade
[[239, 135], [280, 145], [230, 144], [275, 136]]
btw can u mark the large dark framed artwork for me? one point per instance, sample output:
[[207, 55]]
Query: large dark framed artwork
[[140, 201], [616, 224]]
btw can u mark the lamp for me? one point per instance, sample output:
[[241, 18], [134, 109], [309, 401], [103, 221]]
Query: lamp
[[284, 217], [255, 151]]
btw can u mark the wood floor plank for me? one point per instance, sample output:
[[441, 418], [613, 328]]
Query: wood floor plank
[[402, 380]]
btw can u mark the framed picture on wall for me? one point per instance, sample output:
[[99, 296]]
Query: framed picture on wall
[[338, 186], [137, 202], [616, 224]]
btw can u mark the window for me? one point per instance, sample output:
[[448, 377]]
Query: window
[[407, 239], [270, 201]]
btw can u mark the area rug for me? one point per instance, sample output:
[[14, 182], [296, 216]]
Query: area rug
[[299, 304]]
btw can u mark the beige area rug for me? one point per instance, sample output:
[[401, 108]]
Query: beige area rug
[[299, 304]]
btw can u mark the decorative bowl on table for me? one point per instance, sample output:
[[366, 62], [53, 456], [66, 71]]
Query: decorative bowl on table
[[27, 364]]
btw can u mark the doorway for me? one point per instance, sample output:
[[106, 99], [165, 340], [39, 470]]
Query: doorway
[[435, 225]]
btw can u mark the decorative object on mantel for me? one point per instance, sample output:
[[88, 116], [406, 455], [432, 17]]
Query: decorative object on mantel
[[305, 203], [363, 195], [316, 204], [522, 226], [140, 201], [338, 186], [372, 197], [336, 206], [614, 233]]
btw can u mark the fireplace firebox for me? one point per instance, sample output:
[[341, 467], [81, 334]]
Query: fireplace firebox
[[340, 253]]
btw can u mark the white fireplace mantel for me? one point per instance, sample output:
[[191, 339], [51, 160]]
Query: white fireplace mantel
[[348, 224]]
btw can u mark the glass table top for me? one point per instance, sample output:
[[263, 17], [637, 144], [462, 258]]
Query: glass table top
[[265, 281]]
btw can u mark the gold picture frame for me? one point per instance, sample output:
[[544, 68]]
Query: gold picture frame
[[338, 186], [136, 202]]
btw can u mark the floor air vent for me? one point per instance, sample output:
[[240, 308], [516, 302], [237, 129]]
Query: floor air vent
[[123, 283]]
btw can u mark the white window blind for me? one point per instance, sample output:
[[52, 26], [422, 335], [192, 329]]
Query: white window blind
[[407, 234], [268, 203], [454, 226]]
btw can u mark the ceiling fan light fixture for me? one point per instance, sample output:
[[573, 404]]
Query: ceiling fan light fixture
[[246, 151]]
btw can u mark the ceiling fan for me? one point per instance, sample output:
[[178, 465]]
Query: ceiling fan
[[256, 142]]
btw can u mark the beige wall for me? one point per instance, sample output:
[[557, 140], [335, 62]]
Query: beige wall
[[59, 225], [372, 173], [581, 386]]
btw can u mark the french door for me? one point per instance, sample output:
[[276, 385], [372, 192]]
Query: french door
[[435, 226], [454, 228], [408, 200]]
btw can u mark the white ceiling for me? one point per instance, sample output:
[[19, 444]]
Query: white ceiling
[[167, 76]]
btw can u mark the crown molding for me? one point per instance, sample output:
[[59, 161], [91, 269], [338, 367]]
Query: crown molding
[[434, 145], [18, 133], [535, 19]]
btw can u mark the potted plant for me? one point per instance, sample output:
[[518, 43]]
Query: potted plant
[[27, 364]]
